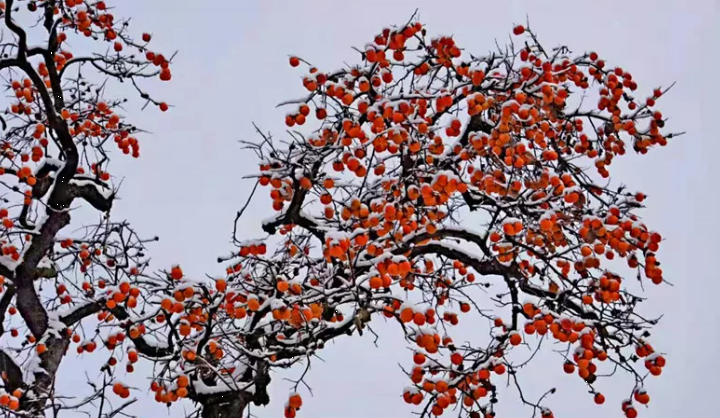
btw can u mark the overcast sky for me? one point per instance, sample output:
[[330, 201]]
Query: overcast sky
[[232, 70]]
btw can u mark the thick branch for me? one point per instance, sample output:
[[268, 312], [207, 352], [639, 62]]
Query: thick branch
[[226, 405], [492, 267], [5, 271], [91, 193], [293, 215], [12, 375], [4, 304], [142, 346], [28, 302], [120, 313], [485, 268], [17, 30]]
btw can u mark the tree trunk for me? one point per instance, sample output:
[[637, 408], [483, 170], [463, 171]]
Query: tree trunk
[[224, 406]]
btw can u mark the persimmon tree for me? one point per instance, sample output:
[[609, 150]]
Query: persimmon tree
[[422, 186], [58, 132], [370, 204]]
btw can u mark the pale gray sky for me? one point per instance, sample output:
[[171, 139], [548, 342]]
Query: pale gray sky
[[232, 70]]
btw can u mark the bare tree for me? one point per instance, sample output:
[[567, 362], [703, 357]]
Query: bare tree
[[435, 186]]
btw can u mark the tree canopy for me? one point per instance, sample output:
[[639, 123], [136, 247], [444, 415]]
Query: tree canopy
[[422, 185]]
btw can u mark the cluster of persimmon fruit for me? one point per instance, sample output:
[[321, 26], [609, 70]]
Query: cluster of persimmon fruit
[[168, 393], [445, 394], [11, 401], [82, 16]]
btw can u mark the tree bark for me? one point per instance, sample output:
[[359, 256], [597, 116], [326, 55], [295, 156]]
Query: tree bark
[[223, 406]]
